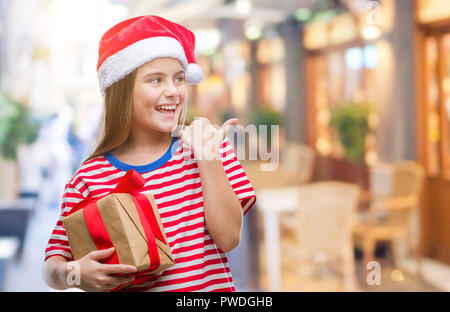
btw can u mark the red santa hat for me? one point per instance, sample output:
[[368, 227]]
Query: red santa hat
[[136, 41]]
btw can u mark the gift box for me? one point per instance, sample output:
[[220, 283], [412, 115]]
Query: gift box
[[124, 219]]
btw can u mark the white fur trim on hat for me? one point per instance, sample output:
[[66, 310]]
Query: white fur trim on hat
[[126, 60], [194, 73]]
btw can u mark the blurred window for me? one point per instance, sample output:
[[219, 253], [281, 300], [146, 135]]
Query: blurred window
[[445, 116], [354, 58], [432, 97], [271, 74], [339, 75], [432, 10], [437, 95]]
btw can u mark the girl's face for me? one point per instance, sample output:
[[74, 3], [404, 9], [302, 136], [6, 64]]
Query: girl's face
[[159, 93]]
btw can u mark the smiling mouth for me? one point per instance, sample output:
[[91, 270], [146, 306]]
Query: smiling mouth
[[167, 110]]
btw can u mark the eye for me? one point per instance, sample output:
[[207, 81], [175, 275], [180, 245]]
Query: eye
[[180, 79], [155, 80]]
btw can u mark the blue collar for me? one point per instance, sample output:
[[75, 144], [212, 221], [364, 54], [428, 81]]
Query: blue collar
[[144, 168]]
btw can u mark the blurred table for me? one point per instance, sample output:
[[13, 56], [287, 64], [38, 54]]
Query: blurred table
[[276, 192], [8, 203], [8, 249], [14, 219], [271, 202]]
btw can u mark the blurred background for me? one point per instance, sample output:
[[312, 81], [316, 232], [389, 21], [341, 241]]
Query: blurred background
[[360, 89]]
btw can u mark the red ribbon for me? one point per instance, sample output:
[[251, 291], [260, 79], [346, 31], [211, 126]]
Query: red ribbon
[[130, 183]]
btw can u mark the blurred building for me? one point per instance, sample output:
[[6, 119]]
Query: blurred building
[[392, 54], [300, 59], [432, 102], [306, 57]]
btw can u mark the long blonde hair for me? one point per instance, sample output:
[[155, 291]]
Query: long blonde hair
[[116, 120]]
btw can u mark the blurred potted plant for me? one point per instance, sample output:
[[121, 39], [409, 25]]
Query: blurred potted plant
[[351, 122], [17, 126], [266, 116]]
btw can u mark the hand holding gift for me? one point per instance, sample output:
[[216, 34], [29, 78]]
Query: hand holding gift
[[96, 276]]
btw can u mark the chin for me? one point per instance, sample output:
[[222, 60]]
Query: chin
[[167, 127]]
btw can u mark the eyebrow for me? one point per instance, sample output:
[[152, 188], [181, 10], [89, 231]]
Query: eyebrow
[[160, 74]]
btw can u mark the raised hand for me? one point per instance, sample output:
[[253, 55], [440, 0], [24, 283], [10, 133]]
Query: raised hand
[[204, 138]]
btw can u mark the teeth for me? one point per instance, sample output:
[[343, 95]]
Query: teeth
[[166, 107]]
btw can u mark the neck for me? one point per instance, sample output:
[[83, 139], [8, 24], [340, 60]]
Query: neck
[[148, 142]]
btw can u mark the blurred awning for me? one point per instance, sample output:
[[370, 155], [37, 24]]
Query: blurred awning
[[208, 13]]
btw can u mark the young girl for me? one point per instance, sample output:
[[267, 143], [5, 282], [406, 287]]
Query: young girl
[[144, 65]]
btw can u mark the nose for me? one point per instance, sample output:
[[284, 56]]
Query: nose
[[171, 90]]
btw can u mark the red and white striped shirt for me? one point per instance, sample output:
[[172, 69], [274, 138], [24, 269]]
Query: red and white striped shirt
[[174, 181]]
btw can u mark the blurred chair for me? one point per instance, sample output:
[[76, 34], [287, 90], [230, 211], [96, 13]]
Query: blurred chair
[[395, 192], [324, 230], [263, 179], [297, 165]]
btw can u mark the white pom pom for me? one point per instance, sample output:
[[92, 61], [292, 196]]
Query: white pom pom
[[194, 73]]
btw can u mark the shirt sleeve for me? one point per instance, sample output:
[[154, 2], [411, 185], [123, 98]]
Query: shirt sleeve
[[239, 181], [58, 244]]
